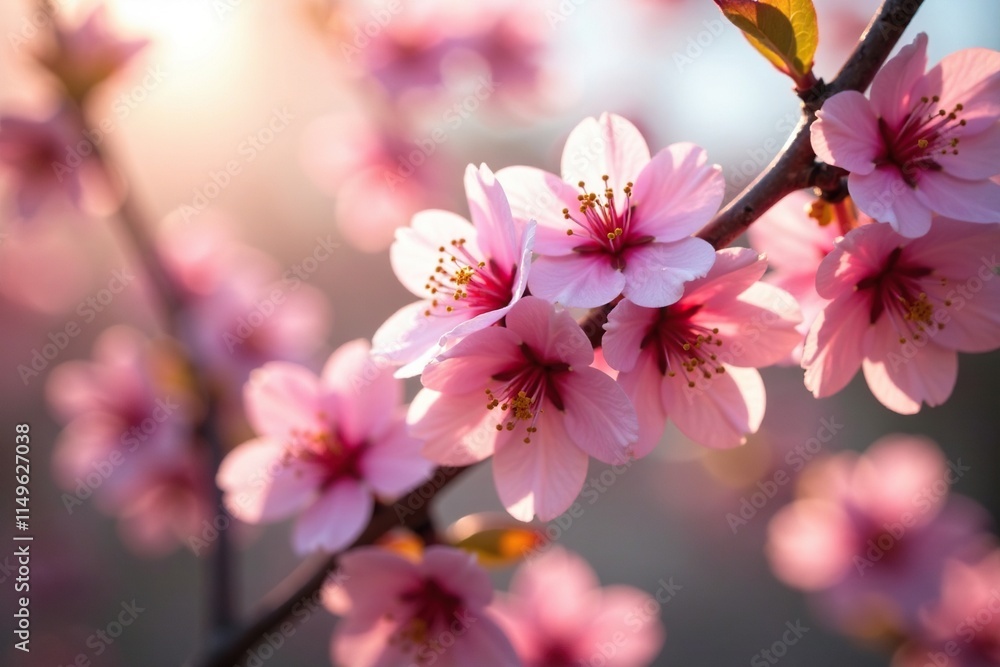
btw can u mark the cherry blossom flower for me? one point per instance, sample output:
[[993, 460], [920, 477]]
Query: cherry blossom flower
[[795, 245], [402, 612], [557, 615], [46, 161], [923, 142], [617, 222], [84, 55], [962, 628], [326, 445], [526, 395], [695, 361], [870, 533], [901, 309], [469, 275]]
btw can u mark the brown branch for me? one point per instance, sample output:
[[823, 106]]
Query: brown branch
[[792, 169]]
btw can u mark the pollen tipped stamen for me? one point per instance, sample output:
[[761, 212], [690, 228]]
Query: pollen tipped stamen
[[462, 281], [599, 216]]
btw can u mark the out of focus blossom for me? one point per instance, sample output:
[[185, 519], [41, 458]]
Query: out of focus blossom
[[84, 55], [962, 627], [327, 446], [795, 241], [870, 534], [526, 395], [48, 161], [557, 615], [901, 309], [695, 361], [399, 612], [923, 142], [468, 275], [617, 222]]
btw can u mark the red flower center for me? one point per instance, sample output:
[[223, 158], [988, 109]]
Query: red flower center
[[461, 281], [927, 134], [604, 224], [684, 346]]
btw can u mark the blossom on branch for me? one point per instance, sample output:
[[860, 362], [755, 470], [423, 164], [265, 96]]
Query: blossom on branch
[[618, 221], [922, 142]]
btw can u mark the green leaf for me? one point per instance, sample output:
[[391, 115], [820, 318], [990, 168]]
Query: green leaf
[[784, 31]]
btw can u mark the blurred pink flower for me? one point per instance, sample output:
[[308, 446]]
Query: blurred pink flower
[[47, 161], [557, 615], [84, 55], [870, 533], [695, 361], [617, 221], [432, 611], [923, 143], [526, 395], [795, 245], [469, 275], [327, 445], [901, 309], [962, 628]]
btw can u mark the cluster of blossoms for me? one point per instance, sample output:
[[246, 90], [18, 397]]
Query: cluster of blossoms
[[885, 551]]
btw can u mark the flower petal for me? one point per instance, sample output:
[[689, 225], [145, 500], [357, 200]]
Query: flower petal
[[470, 364], [720, 412], [833, 350], [411, 337], [978, 155], [579, 280], [642, 386], [676, 193], [599, 417], [892, 92], [542, 477], [655, 273], [415, 252], [280, 397], [393, 464], [970, 77], [335, 520], [610, 146], [495, 231], [552, 334], [625, 331], [884, 196], [540, 196], [760, 323], [366, 392], [456, 429], [260, 486], [846, 133], [902, 377], [972, 201]]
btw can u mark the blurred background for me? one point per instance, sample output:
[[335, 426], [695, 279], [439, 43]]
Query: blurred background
[[272, 125]]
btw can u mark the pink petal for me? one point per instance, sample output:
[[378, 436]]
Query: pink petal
[[626, 611], [410, 336], [415, 252], [374, 579], [281, 397], [655, 273], [676, 193], [902, 377], [972, 201], [460, 573], [846, 133], [642, 385], [721, 412], [394, 465], [610, 146], [792, 241], [456, 429], [895, 470], [554, 582], [625, 330], [261, 486], [970, 77], [483, 644], [367, 644], [542, 477], [884, 196], [733, 271], [833, 349], [599, 417], [809, 544], [335, 520], [578, 280], [553, 335], [366, 392], [978, 155], [859, 255], [540, 196], [469, 366], [491, 216], [761, 324], [892, 92]]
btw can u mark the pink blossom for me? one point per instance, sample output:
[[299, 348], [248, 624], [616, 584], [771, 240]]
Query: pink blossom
[[901, 309], [795, 245], [922, 143], [402, 612], [695, 360], [469, 275], [870, 534], [526, 394], [617, 222], [84, 55], [46, 161], [327, 444], [557, 615], [962, 628]]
